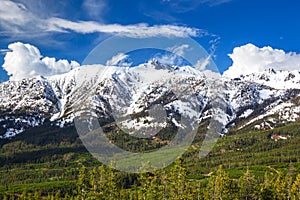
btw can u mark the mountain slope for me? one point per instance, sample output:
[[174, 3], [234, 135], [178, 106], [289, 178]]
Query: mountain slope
[[127, 95]]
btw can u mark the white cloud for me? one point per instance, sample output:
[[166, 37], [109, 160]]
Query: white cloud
[[118, 60], [15, 18], [3, 51], [95, 8], [217, 2], [25, 61], [136, 30], [203, 63], [167, 59], [179, 50], [249, 59], [175, 55], [182, 6], [213, 44], [45, 9], [14, 15]]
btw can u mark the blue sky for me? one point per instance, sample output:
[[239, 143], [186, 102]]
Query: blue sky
[[56, 27]]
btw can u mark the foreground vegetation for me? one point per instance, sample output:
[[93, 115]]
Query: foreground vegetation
[[51, 163], [105, 183]]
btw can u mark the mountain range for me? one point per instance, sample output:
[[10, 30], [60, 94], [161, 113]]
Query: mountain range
[[127, 95]]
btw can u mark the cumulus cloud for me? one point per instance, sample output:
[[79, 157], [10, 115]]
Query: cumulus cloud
[[25, 61], [249, 59], [16, 18]]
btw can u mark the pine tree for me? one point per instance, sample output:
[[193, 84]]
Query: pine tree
[[57, 195], [266, 188], [280, 187], [37, 195], [94, 183], [247, 186], [218, 187], [83, 185], [111, 186], [102, 182], [134, 194], [164, 184], [154, 191], [289, 180], [48, 196], [199, 191], [145, 181], [68, 197], [177, 181], [24, 195], [296, 188], [5, 197]]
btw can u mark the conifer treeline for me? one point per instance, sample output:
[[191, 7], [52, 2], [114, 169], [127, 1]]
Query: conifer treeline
[[105, 183]]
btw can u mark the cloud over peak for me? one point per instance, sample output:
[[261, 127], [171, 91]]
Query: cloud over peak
[[118, 60], [249, 59], [26, 61]]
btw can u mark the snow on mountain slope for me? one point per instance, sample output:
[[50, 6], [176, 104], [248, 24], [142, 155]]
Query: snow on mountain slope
[[20, 96], [108, 91], [281, 113], [257, 96], [275, 79], [129, 94]]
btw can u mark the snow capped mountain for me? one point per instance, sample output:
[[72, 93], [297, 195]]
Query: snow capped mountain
[[108, 92], [270, 97], [129, 95], [275, 79]]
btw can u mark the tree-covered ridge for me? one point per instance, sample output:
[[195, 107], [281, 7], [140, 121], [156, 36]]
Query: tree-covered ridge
[[52, 163]]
